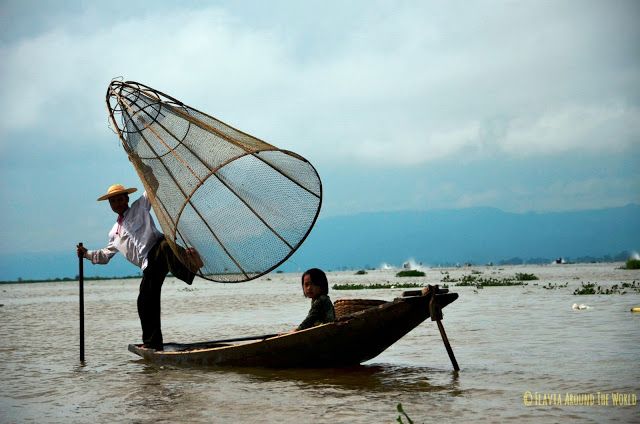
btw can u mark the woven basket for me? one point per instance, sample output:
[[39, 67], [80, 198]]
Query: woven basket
[[349, 306]]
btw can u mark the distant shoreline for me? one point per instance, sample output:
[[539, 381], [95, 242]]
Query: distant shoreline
[[344, 269], [68, 279]]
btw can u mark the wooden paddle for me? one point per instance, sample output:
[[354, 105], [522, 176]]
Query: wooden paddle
[[211, 342], [81, 285]]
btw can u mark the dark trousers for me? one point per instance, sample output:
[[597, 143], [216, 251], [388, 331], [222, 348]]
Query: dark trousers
[[161, 260]]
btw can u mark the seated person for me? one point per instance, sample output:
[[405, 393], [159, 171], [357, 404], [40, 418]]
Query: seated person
[[316, 287]]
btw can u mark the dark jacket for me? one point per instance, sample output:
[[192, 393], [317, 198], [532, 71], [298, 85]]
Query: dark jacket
[[321, 312]]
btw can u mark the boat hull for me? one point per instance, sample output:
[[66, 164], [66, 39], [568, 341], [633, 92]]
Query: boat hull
[[349, 341]]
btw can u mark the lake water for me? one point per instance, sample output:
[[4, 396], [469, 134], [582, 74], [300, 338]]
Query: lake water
[[523, 352]]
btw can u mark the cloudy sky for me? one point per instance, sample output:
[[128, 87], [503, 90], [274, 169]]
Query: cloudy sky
[[518, 105]]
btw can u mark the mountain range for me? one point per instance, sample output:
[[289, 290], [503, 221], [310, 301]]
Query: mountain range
[[474, 235]]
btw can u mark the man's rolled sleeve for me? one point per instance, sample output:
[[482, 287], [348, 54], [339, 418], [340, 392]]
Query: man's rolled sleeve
[[101, 256]]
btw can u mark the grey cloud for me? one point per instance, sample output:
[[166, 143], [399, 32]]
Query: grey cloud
[[423, 78]]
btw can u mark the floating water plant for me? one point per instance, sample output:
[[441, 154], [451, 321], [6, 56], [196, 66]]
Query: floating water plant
[[632, 264], [554, 286], [447, 278], [401, 411], [593, 288], [589, 288], [410, 273], [633, 286], [479, 282], [523, 276]]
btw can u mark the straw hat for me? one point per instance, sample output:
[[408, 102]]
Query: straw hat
[[116, 189]]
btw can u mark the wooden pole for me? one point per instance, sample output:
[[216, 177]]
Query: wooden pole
[[445, 340], [81, 286], [436, 315]]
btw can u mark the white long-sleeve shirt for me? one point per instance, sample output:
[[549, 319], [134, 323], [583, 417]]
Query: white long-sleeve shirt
[[134, 237]]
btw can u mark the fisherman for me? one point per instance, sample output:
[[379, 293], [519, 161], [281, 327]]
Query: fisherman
[[135, 235]]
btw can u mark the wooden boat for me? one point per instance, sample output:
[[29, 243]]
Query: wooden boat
[[351, 340]]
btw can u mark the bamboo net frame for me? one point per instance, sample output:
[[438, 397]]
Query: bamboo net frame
[[243, 204]]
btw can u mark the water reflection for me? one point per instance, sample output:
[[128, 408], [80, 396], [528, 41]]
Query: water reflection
[[157, 392], [380, 378]]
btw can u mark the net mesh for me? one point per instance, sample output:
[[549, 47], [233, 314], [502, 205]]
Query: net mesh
[[244, 205]]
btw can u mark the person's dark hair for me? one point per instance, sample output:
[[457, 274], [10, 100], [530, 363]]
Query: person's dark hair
[[318, 278]]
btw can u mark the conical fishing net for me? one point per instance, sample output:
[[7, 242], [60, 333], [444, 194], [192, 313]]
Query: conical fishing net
[[244, 205]]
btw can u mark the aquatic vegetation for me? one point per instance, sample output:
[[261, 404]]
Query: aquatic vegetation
[[401, 411], [447, 278], [554, 286], [589, 288], [468, 280], [480, 282], [410, 273], [633, 286], [188, 289], [593, 288], [375, 286], [632, 264], [523, 276], [473, 279]]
